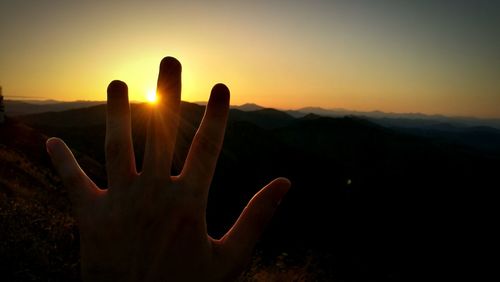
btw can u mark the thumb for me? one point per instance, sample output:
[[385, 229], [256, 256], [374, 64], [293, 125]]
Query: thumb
[[243, 236], [80, 187]]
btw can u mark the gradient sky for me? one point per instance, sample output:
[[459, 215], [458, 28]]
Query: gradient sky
[[396, 56]]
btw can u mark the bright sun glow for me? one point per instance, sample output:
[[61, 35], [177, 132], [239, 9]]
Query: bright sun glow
[[151, 96]]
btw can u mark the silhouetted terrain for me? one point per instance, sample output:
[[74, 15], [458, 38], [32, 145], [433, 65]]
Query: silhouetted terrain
[[399, 119], [38, 236], [17, 107], [413, 120], [368, 203]]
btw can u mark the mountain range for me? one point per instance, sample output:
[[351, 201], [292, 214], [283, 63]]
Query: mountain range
[[388, 119], [24, 107]]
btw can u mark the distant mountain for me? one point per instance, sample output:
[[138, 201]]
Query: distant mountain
[[399, 119], [248, 107], [17, 107], [483, 138], [310, 116], [266, 117]]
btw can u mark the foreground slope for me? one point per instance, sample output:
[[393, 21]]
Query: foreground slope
[[38, 235]]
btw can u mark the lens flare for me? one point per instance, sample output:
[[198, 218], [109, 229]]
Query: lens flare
[[151, 96]]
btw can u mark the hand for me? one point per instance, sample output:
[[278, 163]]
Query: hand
[[151, 226]]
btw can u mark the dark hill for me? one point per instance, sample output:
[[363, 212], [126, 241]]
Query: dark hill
[[16, 108], [38, 236], [248, 107], [481, 138], [266, 118]]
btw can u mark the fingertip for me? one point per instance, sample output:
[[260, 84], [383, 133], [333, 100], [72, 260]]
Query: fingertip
[[283, 181], [256, 216], [280, 186], [170, 64], [117, 85], [169, 82], [51, 144], [52, 140], [220, 88], [117, 89], [220, 93]]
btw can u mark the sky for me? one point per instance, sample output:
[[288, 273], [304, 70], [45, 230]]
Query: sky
[[426, 56]]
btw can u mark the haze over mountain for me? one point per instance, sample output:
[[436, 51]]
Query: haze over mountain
[[410, 120], [386, 119], [24, 107]]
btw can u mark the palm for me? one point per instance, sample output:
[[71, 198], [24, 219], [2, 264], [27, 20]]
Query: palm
[[151, 225]]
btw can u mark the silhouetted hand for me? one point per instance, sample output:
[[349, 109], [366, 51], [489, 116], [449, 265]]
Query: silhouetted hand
[[151, 226]]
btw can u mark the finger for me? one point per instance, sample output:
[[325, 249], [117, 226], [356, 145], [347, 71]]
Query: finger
[[164, 120], [202, 158], [243, 236], [120, 162], [80, 188]]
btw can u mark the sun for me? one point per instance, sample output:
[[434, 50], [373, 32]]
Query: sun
[[151, 96]]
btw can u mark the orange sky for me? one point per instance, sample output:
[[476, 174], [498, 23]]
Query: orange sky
[[292, 54]]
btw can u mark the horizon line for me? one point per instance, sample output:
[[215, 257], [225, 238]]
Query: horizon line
[[28, 99]]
